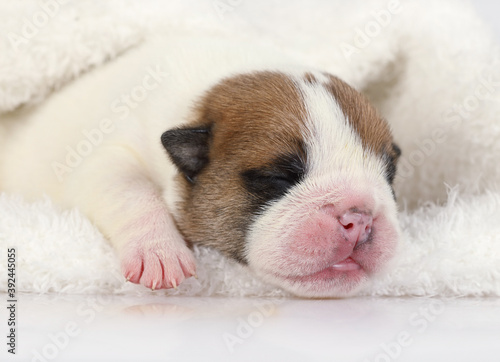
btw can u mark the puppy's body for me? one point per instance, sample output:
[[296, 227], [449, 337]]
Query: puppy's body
[[285, 169]]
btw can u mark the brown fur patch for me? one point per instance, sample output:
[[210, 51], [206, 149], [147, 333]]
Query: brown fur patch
[[262, 105]]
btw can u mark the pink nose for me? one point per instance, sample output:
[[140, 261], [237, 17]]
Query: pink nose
[[357, 226]]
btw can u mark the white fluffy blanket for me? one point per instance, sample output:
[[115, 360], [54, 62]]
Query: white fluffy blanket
[[431, 68]]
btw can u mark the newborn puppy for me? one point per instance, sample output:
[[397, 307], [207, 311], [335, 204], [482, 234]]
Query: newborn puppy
[[284, 169]]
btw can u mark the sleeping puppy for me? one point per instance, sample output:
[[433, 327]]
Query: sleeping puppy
[[285, 169]]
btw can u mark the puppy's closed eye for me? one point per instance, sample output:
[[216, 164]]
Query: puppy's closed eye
[[267, 183], [274, 180]]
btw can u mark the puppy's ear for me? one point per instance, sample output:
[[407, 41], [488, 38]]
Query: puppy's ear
[[396, 150], [188, 149], [392, 160]]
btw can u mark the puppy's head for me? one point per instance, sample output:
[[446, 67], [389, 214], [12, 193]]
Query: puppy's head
[[291, 175]]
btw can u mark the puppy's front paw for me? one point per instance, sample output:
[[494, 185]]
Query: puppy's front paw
[[156, 264]]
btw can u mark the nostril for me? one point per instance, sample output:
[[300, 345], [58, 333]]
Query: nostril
[[348, 226]]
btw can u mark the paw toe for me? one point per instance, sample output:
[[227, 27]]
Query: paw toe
[[132, 269], [153, 272]]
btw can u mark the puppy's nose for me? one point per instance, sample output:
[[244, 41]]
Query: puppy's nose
[[357, 226]]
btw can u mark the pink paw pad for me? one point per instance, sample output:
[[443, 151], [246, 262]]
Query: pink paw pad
[[158, 266]]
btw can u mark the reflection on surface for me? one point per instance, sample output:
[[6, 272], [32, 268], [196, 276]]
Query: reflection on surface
[[114, 327]]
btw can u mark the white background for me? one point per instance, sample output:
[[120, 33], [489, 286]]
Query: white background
[[489, 10]]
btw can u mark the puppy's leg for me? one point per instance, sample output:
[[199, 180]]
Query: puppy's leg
[[114, 190]]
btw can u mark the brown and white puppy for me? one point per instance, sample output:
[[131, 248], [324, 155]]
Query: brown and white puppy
[[284, 169]]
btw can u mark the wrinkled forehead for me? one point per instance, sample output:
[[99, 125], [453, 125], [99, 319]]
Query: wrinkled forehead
[[260, 116]]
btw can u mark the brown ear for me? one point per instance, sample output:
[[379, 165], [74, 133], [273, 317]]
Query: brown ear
[[188, 149], [397, 150], [392, 160]]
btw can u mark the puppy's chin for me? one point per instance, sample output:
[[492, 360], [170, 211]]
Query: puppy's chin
[[326, 283], [337, 279]]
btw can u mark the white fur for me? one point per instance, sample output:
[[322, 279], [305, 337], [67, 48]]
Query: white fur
[[449, 248], [329, 133]]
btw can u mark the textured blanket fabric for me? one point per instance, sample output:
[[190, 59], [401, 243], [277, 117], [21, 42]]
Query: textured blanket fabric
[[430, 67]]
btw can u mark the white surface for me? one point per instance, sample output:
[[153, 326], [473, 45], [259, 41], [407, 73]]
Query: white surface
[[194, 329]]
